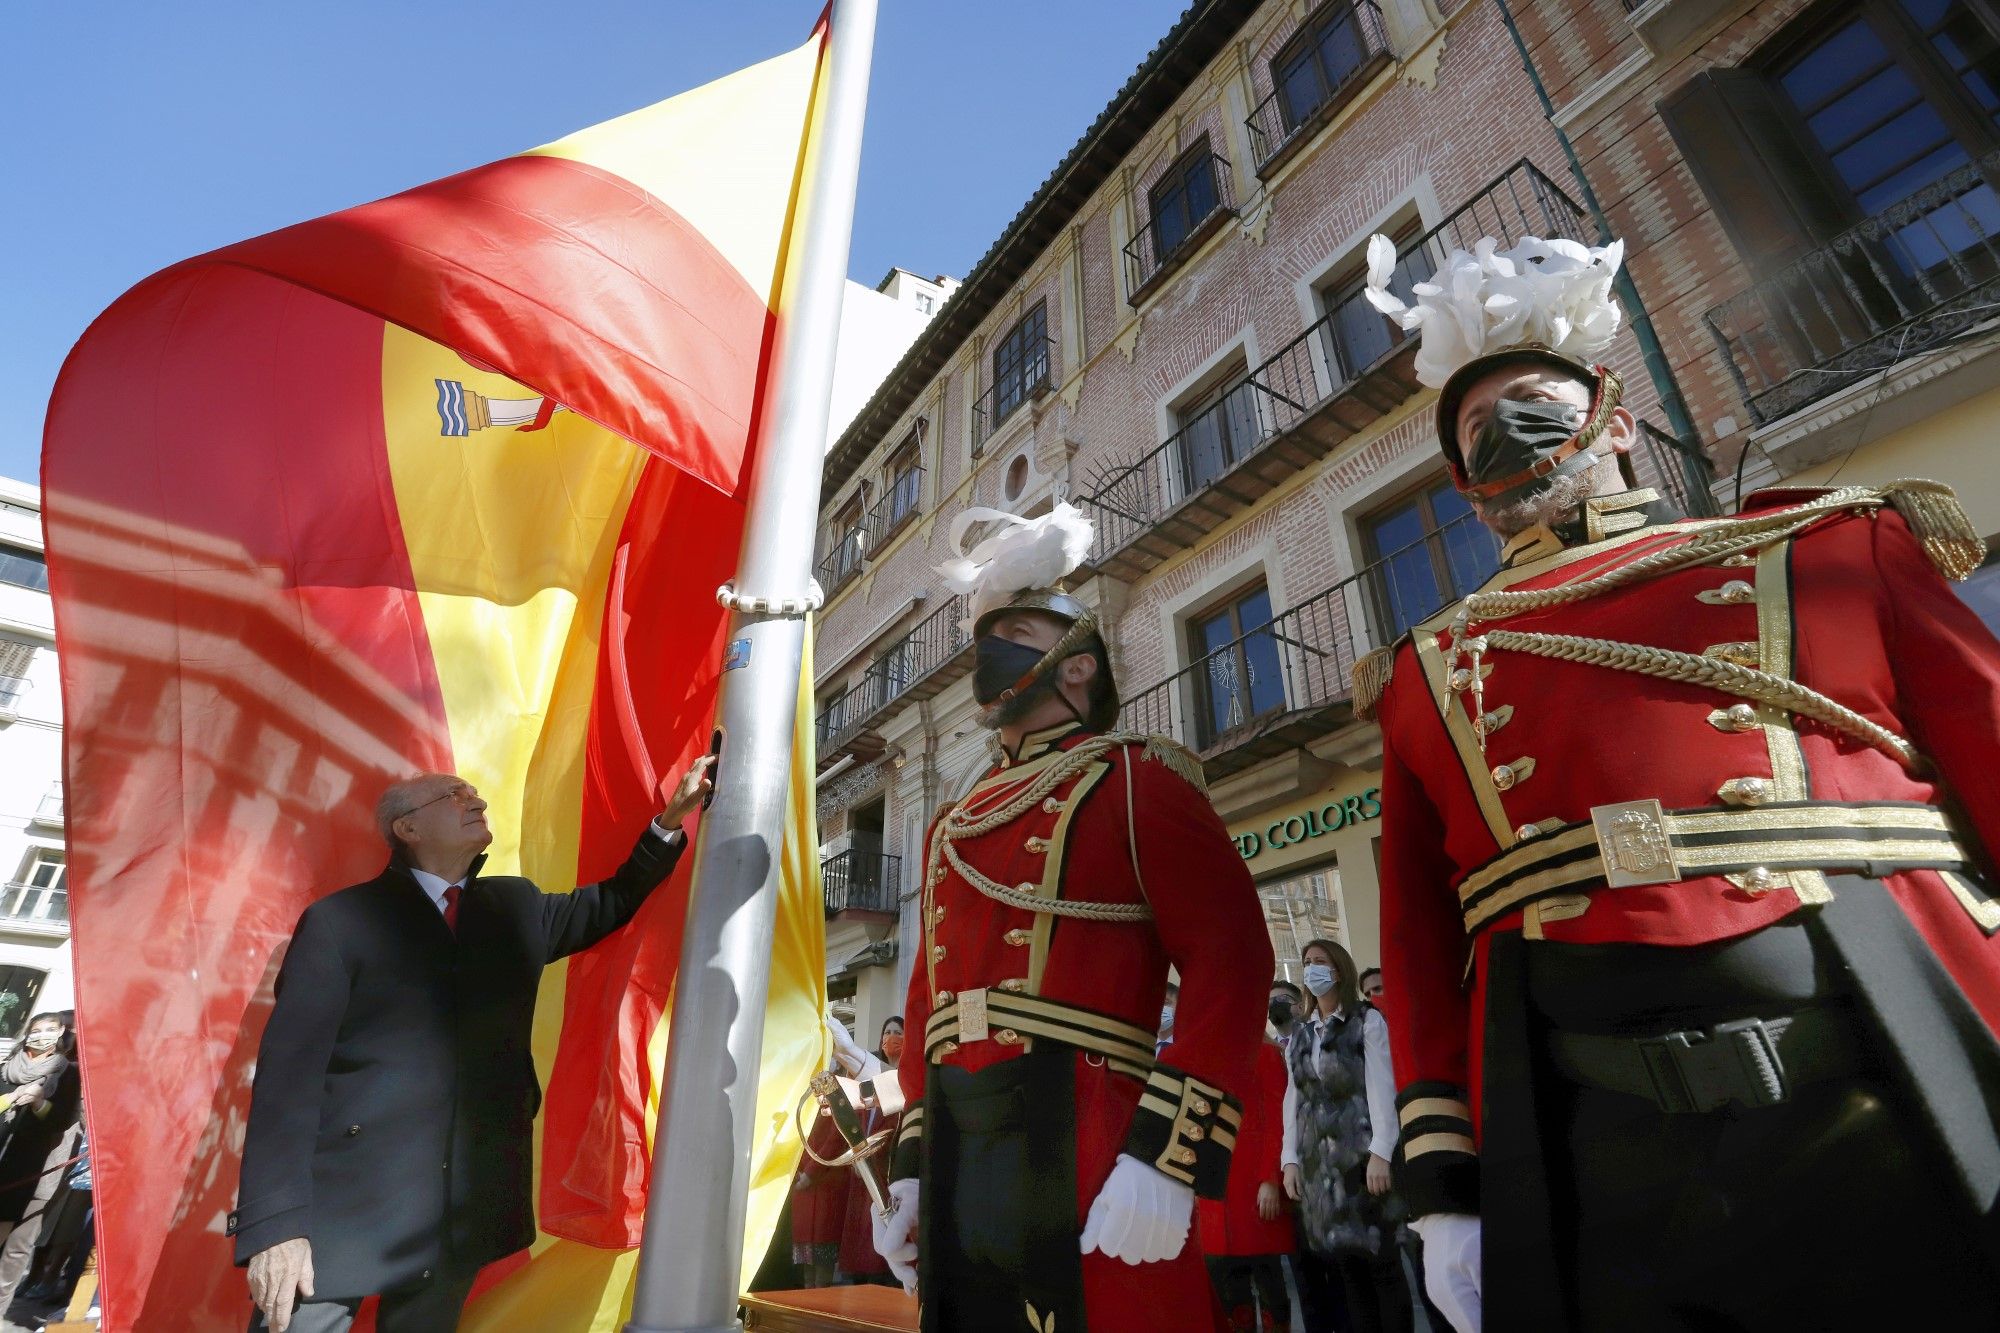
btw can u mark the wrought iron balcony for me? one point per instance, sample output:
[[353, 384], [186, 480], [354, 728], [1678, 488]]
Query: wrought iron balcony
[[1680, 469], [11, 690], [895, 510], [1206, 200], [1280, 686], [1356, 45], [1909, 280], [37, 907], [50, 811], [1034, 379], [1334, 379], [858, 881], [931, 656], [842, 560]]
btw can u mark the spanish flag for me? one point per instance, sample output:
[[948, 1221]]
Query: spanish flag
[[443, 482]]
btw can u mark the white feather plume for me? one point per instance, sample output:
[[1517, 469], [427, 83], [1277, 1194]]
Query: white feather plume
[[1024, 553], [1555, 293]]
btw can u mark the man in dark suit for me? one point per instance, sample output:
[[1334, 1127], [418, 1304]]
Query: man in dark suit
[[390, 1142]]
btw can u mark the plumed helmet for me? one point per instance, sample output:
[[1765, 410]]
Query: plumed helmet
[[1542, 302], [1021, 567]]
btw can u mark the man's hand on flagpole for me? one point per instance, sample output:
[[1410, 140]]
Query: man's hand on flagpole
[[681, 798], [279, 1277]]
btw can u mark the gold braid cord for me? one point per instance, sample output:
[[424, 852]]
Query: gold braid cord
[[1930, 508], [1711, 673], [961, 822]]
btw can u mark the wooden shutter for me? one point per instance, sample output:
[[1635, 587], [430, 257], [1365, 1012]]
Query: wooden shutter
[[1764, 181]]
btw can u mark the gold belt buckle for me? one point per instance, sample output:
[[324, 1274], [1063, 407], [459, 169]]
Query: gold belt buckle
[[972, 1025], [1632, 838]]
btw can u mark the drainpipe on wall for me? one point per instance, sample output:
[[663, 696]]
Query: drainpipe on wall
[[1650, 351]]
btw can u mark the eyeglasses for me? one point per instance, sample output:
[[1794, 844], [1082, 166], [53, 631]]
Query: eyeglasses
[[463, 793]]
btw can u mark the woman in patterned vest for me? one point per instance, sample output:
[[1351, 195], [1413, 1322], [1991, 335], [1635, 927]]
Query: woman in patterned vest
[[1340, 1130]]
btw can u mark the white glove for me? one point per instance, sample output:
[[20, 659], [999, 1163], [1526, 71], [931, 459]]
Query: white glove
[[1141, 1215], [854, 1061], [1451, 1266], [278, 1276], [896, 1235]]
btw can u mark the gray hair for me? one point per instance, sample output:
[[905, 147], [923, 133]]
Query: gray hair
[[403, 797]]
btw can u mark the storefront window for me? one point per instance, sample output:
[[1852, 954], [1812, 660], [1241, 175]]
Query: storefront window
[[1299, 909]]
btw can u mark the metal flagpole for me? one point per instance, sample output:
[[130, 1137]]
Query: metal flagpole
[[690, 1259]]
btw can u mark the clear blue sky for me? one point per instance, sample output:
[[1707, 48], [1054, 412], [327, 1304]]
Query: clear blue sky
[[139, 134]]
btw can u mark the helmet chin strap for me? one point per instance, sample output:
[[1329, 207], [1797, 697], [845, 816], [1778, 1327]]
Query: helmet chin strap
[[1610, 389]]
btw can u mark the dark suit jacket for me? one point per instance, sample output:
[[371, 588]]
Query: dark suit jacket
[[394, 1102]]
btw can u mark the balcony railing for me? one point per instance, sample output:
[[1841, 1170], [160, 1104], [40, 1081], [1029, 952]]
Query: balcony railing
[[1007, 396], [1335, 378], [1205, 201], [858, 881], [1909, 280], [1274, 687], [895, 509], [1681, 469], [914, 665], [50, 811], [39, 907], [1359, 46], [842, 560], [11, 690]]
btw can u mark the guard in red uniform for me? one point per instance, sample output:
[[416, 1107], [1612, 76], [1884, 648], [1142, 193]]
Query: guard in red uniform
[[1047, 1163], [1686, 865]]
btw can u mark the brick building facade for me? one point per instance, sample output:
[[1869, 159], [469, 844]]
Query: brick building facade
[[1170, 335], [1808, 194]]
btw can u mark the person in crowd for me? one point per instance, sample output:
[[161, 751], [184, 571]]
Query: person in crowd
[[1246, 1234], [859, 1263], [390, 1135], [42, 1092], [819, 1203], [1371, 986], [1286, 1002], [68, 1237], [1340, 1132]]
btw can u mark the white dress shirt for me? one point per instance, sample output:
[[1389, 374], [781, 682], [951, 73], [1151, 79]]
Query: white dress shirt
[[435, 885], [1378, 1077]]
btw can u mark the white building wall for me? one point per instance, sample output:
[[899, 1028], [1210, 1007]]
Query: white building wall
[[34, 920]]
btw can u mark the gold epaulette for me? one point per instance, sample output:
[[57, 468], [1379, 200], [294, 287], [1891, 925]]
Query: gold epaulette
[[1370, 675], [1180, 760], [1939, 521]]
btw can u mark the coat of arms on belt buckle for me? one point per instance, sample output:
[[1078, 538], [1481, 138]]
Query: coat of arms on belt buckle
[[1632, 836]]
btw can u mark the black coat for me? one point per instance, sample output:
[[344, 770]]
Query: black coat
[[395, 1095], [29, 1139]]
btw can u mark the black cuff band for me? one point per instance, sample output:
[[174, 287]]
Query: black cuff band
[[1187, 1129], [1436, 1166]]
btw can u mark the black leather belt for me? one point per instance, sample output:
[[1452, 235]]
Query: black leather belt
[[1749, 1062]]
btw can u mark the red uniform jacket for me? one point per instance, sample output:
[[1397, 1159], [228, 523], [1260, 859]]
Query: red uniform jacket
[[1127, 827], [1230, 1226], [1849, 606]]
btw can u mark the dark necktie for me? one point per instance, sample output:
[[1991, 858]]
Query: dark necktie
[[451, 893]]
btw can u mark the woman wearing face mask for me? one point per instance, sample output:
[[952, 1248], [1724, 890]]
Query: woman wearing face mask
[[859, 1262], [1340, 1129], [42, 1091]]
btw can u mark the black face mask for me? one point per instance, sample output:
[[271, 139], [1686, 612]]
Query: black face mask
[[1517, 436], [998, 663], [1281, 1013]]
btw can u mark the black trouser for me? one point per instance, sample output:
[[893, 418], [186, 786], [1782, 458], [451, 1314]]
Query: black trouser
[[1000, 1196], [1354, 1293], [1832, 1209], [1252, 1290], [1823, 1212]]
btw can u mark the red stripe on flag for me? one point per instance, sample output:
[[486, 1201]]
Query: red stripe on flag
[[568, 279], [244, 667]]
